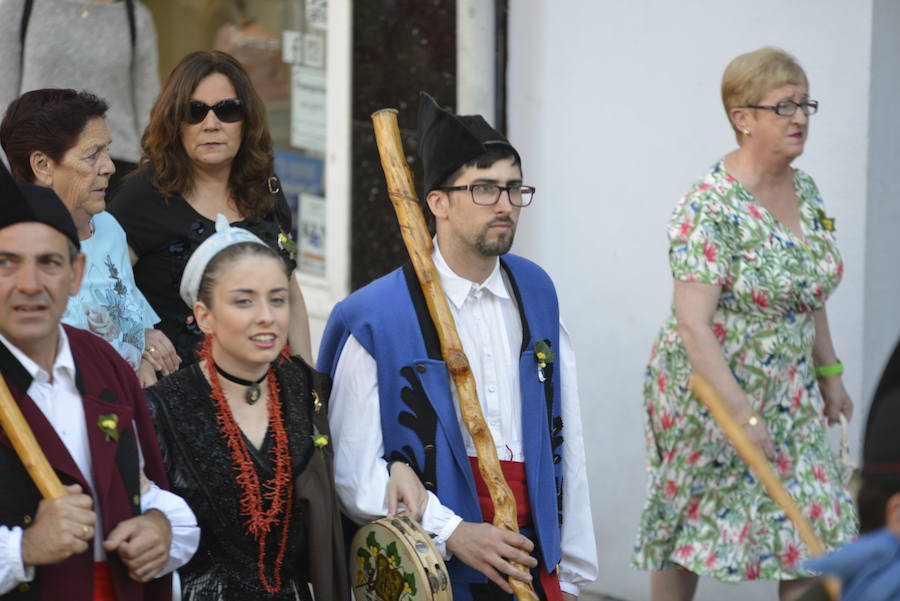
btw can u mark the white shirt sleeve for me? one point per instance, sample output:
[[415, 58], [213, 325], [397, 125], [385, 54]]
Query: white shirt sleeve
[[185, 531], [12, 571], [361, 475], [578, 566]]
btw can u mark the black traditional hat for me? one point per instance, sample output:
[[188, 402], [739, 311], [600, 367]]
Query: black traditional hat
[[447, 141], [881, 446], [23, 203]]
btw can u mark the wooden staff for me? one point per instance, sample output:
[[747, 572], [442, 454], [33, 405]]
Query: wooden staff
[[757, 461], [418, 243], [22, 438]]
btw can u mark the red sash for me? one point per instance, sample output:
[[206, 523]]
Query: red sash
[[103, 584], [514, 472]]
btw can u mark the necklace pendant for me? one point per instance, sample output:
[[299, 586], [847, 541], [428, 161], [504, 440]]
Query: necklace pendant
[[253, 394]]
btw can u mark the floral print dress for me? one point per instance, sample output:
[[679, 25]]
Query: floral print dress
[[706, 511]]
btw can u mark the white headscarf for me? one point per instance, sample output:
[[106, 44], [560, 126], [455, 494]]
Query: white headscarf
[[224, 237]]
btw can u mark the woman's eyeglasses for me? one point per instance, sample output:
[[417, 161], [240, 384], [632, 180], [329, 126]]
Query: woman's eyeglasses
[[229, 110], [786, 108]]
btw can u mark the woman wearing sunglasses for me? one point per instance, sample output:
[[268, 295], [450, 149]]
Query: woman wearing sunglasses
[[753, 257], [206, 151]]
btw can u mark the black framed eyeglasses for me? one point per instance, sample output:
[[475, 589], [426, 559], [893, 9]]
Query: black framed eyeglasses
[[229, 110], [786, 108], [486, 195]]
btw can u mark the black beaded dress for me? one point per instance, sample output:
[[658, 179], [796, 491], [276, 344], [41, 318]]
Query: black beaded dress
[[200, 468]]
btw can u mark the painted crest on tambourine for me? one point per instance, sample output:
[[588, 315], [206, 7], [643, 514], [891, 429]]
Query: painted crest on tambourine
[[380, 570], [393, 559]]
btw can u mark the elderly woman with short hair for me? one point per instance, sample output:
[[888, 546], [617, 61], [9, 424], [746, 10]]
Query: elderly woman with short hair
[[58, 138], [754, 259]]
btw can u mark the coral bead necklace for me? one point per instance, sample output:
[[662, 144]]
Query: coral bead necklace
[[278, 490]]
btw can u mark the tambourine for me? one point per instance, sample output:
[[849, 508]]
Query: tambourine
[[393, 559]]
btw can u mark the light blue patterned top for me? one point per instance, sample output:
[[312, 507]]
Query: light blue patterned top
[[109, 303]]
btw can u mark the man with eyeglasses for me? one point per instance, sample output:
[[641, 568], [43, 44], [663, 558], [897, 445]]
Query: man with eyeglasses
[[382, 350]]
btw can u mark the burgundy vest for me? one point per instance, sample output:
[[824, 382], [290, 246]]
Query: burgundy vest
[[107, 385]]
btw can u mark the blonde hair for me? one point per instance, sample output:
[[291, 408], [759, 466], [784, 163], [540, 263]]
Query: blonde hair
[[749, 76]]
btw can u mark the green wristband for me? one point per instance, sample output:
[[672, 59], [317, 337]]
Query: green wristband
[[823, 371]]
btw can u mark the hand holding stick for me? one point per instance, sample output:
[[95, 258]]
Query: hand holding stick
[[754, 458]]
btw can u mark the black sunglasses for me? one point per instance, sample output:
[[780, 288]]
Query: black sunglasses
[[229, 110]]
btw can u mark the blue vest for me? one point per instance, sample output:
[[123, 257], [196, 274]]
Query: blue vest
[[419, 425]]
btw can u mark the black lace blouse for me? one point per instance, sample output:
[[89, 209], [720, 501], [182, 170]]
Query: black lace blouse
[[201, 471], [163, 235]]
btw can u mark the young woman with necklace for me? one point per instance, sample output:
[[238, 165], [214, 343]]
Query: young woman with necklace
[[238, 426], [244, 435]]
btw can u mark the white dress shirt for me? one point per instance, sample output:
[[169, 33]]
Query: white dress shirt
[[58, 398], [488, 322]]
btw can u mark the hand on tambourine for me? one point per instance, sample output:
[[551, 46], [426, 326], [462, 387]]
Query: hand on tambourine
[[490, 550], [405, 487]]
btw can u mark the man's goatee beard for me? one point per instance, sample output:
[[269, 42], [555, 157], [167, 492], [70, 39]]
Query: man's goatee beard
[[499, 246]]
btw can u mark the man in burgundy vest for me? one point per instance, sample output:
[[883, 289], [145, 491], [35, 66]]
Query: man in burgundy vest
[[115, 532]]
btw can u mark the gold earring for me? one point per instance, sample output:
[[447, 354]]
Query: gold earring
[[746, 132]]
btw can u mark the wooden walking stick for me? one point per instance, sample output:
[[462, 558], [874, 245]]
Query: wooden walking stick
[[418, 243], [757, 461], [22, 438]]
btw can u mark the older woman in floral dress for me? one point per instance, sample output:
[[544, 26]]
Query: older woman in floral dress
[[753, 257]]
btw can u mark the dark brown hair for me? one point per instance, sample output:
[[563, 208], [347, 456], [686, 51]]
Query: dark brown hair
[[49, 121], [227, 257], [171, 172], [494, 153]]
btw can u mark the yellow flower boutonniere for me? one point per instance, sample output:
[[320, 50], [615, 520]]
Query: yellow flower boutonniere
[[319, 440], [826, 222], [543, 355], [287, 244], [109, 425]]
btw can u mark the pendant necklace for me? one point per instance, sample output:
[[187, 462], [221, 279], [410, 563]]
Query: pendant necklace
[[253, 392]]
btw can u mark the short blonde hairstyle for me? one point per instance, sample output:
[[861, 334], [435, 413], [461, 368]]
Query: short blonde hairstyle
[[749, 76]]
